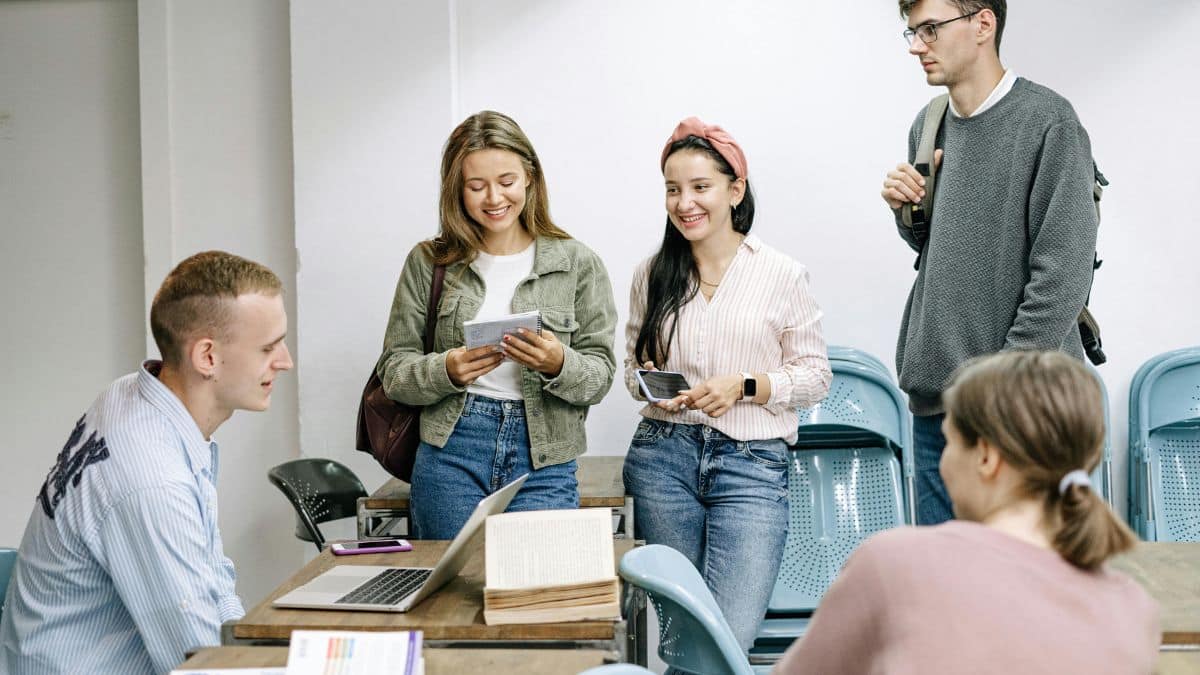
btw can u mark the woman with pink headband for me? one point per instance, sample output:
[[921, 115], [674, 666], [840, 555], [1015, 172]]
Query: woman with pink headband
[[707, 468]]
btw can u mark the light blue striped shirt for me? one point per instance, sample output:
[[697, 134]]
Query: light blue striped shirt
[[121, 568]]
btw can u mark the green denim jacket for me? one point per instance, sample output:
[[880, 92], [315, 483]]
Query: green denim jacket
[[571, 288]]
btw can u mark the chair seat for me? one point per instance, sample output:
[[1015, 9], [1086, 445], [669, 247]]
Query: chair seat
[[781, 631]]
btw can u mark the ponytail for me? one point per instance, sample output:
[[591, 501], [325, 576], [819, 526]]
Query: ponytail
[[1086, 531], [1044, 411]]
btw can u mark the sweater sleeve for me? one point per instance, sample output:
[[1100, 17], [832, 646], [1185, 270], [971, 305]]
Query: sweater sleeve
[[1062, 241], [846, 633]]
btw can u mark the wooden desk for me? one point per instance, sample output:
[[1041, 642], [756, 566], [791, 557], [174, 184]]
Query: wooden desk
[[437, 661], [1170, 573], [451, 617], [600, 486]]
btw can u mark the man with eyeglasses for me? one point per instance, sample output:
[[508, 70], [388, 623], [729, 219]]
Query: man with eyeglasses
[[1006, 262]]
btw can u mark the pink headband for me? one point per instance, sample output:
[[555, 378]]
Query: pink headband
[[717, 137]]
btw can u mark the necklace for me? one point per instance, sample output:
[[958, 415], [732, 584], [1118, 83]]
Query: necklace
[[709, 283]]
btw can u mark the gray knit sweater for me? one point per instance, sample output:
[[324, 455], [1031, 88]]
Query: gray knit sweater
[[1008, 264]]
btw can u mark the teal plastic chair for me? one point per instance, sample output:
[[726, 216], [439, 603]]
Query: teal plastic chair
[[854, 355], [1164, 447], [319, 490], [849, 476], [8, 559], [693, 634], [618, 669]]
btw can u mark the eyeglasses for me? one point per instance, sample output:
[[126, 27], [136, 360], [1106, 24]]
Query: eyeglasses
[[928, 31]]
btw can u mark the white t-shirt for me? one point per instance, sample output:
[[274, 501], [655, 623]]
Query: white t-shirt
[[501, 275]]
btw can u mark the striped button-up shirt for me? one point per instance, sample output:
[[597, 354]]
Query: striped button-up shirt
[[121, 568], [761, 319]]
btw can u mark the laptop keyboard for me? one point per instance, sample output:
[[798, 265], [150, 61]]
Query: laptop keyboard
[[387, 588]]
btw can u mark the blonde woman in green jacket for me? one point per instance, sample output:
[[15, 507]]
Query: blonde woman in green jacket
[[492, 414]]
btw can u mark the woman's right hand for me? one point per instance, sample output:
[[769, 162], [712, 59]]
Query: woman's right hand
[[464, 366]]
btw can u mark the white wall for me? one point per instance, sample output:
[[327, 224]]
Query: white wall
[[820, 96], [70, 228], [216, 160]]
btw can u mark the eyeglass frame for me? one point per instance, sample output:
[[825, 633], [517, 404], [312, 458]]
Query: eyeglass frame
[[910, 33]]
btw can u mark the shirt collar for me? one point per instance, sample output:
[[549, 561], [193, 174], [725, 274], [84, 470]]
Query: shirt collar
[[1001, 89], [752, 242], [201, 454]]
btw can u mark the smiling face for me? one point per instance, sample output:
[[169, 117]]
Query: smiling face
[[253, 352], [495, 185], [700, 199], [949, 59]]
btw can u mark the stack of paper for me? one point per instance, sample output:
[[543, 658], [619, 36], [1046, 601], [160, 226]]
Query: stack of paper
[[317, 652]]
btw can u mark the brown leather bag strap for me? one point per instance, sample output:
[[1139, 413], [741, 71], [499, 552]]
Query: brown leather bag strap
[[435, 296]]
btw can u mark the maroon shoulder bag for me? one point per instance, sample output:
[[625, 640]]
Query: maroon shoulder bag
[[391, 431]]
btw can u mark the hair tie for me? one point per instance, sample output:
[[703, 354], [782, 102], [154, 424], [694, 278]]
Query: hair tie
[[717, 137], [1076, 477]]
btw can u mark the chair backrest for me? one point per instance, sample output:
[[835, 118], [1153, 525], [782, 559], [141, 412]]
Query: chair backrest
[[320, 490], [1164, 447], [8, 559], [864, 409], [693, 634], [837, 498], [853, 355]]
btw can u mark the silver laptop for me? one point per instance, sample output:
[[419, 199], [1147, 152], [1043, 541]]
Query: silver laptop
[[398, 589]]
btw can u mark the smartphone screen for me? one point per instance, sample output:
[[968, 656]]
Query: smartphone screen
[[374, 543], [661, 384]]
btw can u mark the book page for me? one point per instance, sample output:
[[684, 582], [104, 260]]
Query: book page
[[480, 332], [546, 548], [316, 652]]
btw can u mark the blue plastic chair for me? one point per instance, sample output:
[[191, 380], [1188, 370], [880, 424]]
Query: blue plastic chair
[[1164, 447], [618, 669], [854, 355], [8, 559], [693, 634], [845, 483]]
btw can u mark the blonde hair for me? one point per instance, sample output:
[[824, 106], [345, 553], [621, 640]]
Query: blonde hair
[[196, 298], [1044, 412], [460, 237]]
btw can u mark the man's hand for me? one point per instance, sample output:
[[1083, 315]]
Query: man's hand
[[464, 366], [543, 353], [905, 185]]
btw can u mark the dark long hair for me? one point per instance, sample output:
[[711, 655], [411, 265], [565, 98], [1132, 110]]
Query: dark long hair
[[673, 279]]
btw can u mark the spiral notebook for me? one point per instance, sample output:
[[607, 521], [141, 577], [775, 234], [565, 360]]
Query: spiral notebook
[[480, 332]]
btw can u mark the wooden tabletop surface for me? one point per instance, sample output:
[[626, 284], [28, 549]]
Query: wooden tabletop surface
[[600, 484], [455, 612], [1170, 573], [437, 661]]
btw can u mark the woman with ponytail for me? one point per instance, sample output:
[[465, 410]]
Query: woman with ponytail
[[1016, 585], [707, 468]]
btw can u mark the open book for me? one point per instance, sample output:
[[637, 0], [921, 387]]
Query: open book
[[550, 566]]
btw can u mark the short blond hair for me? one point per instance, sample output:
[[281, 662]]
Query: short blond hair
[[1044, 412], [197, 296]]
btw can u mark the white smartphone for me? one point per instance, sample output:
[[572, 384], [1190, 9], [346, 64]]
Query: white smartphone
[[661, 385], [370, 546]]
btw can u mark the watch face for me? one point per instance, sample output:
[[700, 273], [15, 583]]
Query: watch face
[[749, 386]]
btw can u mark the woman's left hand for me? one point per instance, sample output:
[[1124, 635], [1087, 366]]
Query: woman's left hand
[[543, 353], [716, 395]]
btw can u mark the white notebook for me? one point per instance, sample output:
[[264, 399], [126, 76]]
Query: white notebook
[[480, 332]]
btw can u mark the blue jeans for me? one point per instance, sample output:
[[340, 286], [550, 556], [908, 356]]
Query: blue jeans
[[722, 503], [488, 449], [933, 502]]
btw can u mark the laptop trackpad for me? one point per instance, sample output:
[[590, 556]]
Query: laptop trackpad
[[341, 579]]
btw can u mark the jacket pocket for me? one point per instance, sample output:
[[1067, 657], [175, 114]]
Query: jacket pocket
[[447, 334], [561, 323]]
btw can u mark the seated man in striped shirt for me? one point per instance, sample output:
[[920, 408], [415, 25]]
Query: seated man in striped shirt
[[121, 568]]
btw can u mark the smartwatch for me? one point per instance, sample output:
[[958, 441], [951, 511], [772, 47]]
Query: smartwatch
[[749, 386]]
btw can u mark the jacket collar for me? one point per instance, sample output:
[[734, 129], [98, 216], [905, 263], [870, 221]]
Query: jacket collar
[[550, 256]]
